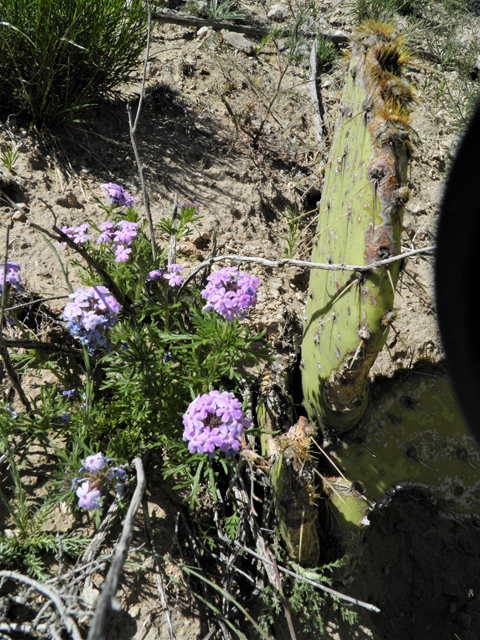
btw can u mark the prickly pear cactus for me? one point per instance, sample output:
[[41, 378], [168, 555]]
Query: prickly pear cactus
[[360, 222]]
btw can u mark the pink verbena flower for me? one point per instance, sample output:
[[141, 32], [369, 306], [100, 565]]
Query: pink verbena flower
[[174, 278], [90, 314], [117, 195], [88, 498], [13, 275], [126, 232], [77, 234], [213, 421], [230, 293], [94, 463], [122, 253], [108, 229], [121, 234], [154, 275]]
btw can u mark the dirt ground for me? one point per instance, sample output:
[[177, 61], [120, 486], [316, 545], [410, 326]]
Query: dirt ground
[[418, 566]]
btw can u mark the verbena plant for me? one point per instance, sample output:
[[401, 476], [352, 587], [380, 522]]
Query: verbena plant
[[58, 58], [140, 372]]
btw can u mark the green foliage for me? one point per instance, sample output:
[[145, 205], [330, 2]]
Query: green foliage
[[188, 215], [381, 10], [224, 11], [299, 593], [327, 52], [231, 525], [295, 231], [306, 602], [27, 544], [58, 58], [9, 156]]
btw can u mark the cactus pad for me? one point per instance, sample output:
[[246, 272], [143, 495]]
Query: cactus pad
[[360, 223]]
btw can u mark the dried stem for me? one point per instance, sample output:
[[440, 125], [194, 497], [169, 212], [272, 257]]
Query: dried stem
[[171, 17], [98, 628], [172, 249], [314, 583], [50, 593], [133, 128], [287, 262], [9, 368], [317, 114]]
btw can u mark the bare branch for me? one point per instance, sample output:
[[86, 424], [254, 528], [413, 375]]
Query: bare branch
[[314, 583], [172, 249], [287, 262], [105, 604], [133, 128], [171, 17], [9, 368], [51, 593], [317, 115]]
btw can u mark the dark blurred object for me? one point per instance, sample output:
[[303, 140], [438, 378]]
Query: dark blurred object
[[457, 273]]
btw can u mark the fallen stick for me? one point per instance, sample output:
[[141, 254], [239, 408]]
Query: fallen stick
[[105, 604], [171, 17], [317, 116], [53, 595]]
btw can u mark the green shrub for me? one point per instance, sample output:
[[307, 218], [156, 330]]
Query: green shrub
[[60, 57]]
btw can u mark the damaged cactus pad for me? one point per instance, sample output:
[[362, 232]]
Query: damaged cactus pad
[[359, 223]]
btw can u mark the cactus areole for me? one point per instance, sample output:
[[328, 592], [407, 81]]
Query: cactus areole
[[360, 221]]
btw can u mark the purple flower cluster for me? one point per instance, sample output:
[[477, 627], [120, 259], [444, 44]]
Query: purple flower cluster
[[173, 276], [77, 234], [90, 314], [213, 421], [99, 476], [230, 293], [121, 234], [117, 195], [12, 275]]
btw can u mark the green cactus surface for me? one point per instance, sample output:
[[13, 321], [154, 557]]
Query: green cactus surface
[[360, 222], [413, 434]]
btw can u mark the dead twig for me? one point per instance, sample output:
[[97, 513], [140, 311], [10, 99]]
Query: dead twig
[[172, 249], [105, 604], [9, 368], [39, 301], [317, 113], [314, 583], [287, 262], [171, 17], [133, 128], [50, 593]]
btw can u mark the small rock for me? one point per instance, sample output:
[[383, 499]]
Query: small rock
[[69, 201], [210, 42], [90, 593], [278, 12], [202, 32], [238, 41], [19, 216]]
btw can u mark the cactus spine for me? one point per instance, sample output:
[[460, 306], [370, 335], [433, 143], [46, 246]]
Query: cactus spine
[[360, 222]]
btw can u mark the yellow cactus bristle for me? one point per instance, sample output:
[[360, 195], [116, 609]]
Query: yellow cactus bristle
[[396, 113], [384, 32], [398, 95]]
